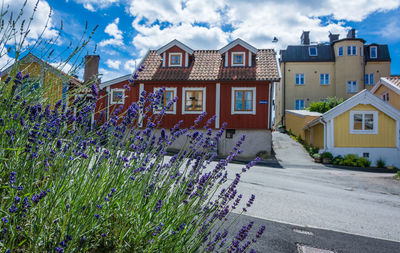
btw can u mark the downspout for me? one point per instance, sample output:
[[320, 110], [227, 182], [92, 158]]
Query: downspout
[[284, 93], [325, 133]]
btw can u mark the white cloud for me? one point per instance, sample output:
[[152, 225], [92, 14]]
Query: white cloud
[[106, 74], [114, 64], [116, 34], [130, 65], [198, 23], [93, 5], [391, 31], [40, 18]]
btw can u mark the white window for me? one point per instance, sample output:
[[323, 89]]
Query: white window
[[373, 52], [299, 103], [312, 51], [352, 87], [300, 79], [117, 96], [369, 79], [238, 58], [194, 100], [168, 95], [385, 96], [363, 122], [340, 51], [351, 50], [324, 79], [175, 59], [243, 100]]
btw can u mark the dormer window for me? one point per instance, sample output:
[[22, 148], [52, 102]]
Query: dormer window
[[238, 58], [312, 51], [175, 59], [373, 52]]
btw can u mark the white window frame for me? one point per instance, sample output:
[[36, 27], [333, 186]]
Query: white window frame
[[385, 96], [325, 81], [376, 52], [352, 83], [368, 80], [339, 51], [304, 79], [351, 50], [122, 101], [243, 54], [184, 99], [170, 60], [304, 104], [253, 89], [173, 111], [374, 118], [309, 51]]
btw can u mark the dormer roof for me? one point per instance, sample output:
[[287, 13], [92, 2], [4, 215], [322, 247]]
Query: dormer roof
[[238, 42], [175, 43]]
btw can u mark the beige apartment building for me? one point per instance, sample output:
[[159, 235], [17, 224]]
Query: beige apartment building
[[341, 67]]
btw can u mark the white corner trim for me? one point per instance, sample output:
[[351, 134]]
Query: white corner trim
[[217, 104], [163, 60], [238, 64], [186, 59], [170, 60], [226, 59], [173, 89], [250, 58], [184, 99], [253, 89], [122, 99], [375, 120]]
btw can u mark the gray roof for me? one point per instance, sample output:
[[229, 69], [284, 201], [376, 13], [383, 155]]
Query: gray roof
[[383, 53], [300, 54]]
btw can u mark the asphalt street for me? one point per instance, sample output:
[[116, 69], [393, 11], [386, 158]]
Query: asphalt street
[[347, 211]]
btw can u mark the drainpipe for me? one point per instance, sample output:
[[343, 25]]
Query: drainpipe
[[325, 133], [284, 93]]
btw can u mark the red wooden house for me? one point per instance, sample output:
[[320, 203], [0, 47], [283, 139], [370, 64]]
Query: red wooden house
[[234, 83]]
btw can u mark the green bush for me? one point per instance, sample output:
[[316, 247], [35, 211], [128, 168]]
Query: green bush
[[350, 160], [327, 155], [324, 106], [316, 156], [380, 163], [363, 162], [338, 160]]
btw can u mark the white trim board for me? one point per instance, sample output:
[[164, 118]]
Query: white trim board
[[175, 43], [238, 42], [387, 83], [253, 89], [184, 99]]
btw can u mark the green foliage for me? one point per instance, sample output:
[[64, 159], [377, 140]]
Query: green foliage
[[380, 163], [316, 156], [338, 160], [397, 176], [327, 155], [363, 162], [324, 106]]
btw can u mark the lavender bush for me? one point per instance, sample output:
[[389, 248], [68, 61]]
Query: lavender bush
[[68, 184]]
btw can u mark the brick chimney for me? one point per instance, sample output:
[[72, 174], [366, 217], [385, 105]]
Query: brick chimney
[[351, 34], [91, 68], [305, 38], [333, 37]]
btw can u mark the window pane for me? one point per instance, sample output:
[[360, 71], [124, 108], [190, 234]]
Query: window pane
[[321, 77], [368, 122], [354, 50], [340, 51], [239, 95], [248, 95], [247, 105], [239, 105], [297, 79], [349, 50], [302, 79], [371, 79], [194, 100], [237, 59], [357, 122]]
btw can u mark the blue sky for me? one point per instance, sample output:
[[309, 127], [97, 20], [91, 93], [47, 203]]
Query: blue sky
[[128, 28]]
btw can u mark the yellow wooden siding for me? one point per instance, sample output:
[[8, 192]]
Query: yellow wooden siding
[[386, 136], [394, 98], [318, 136], [295, 123]]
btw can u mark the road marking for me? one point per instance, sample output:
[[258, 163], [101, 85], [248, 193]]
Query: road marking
[[304, 232], [309, 249], [326, 229]]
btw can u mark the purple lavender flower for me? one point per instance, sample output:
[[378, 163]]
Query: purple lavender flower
[[4, 220], [95, 90], [103, 235], [97, 216]]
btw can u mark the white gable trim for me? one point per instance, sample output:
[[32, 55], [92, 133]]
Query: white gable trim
[[238, 42], [387, 83], [363, 97], [175, 43]]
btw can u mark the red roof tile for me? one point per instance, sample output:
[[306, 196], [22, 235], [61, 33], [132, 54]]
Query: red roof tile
[[208, 66]]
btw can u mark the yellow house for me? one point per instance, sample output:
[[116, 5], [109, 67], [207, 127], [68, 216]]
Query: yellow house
[[364, 125], [54, 81], [388, 89], [297, 119], [341, 67]]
